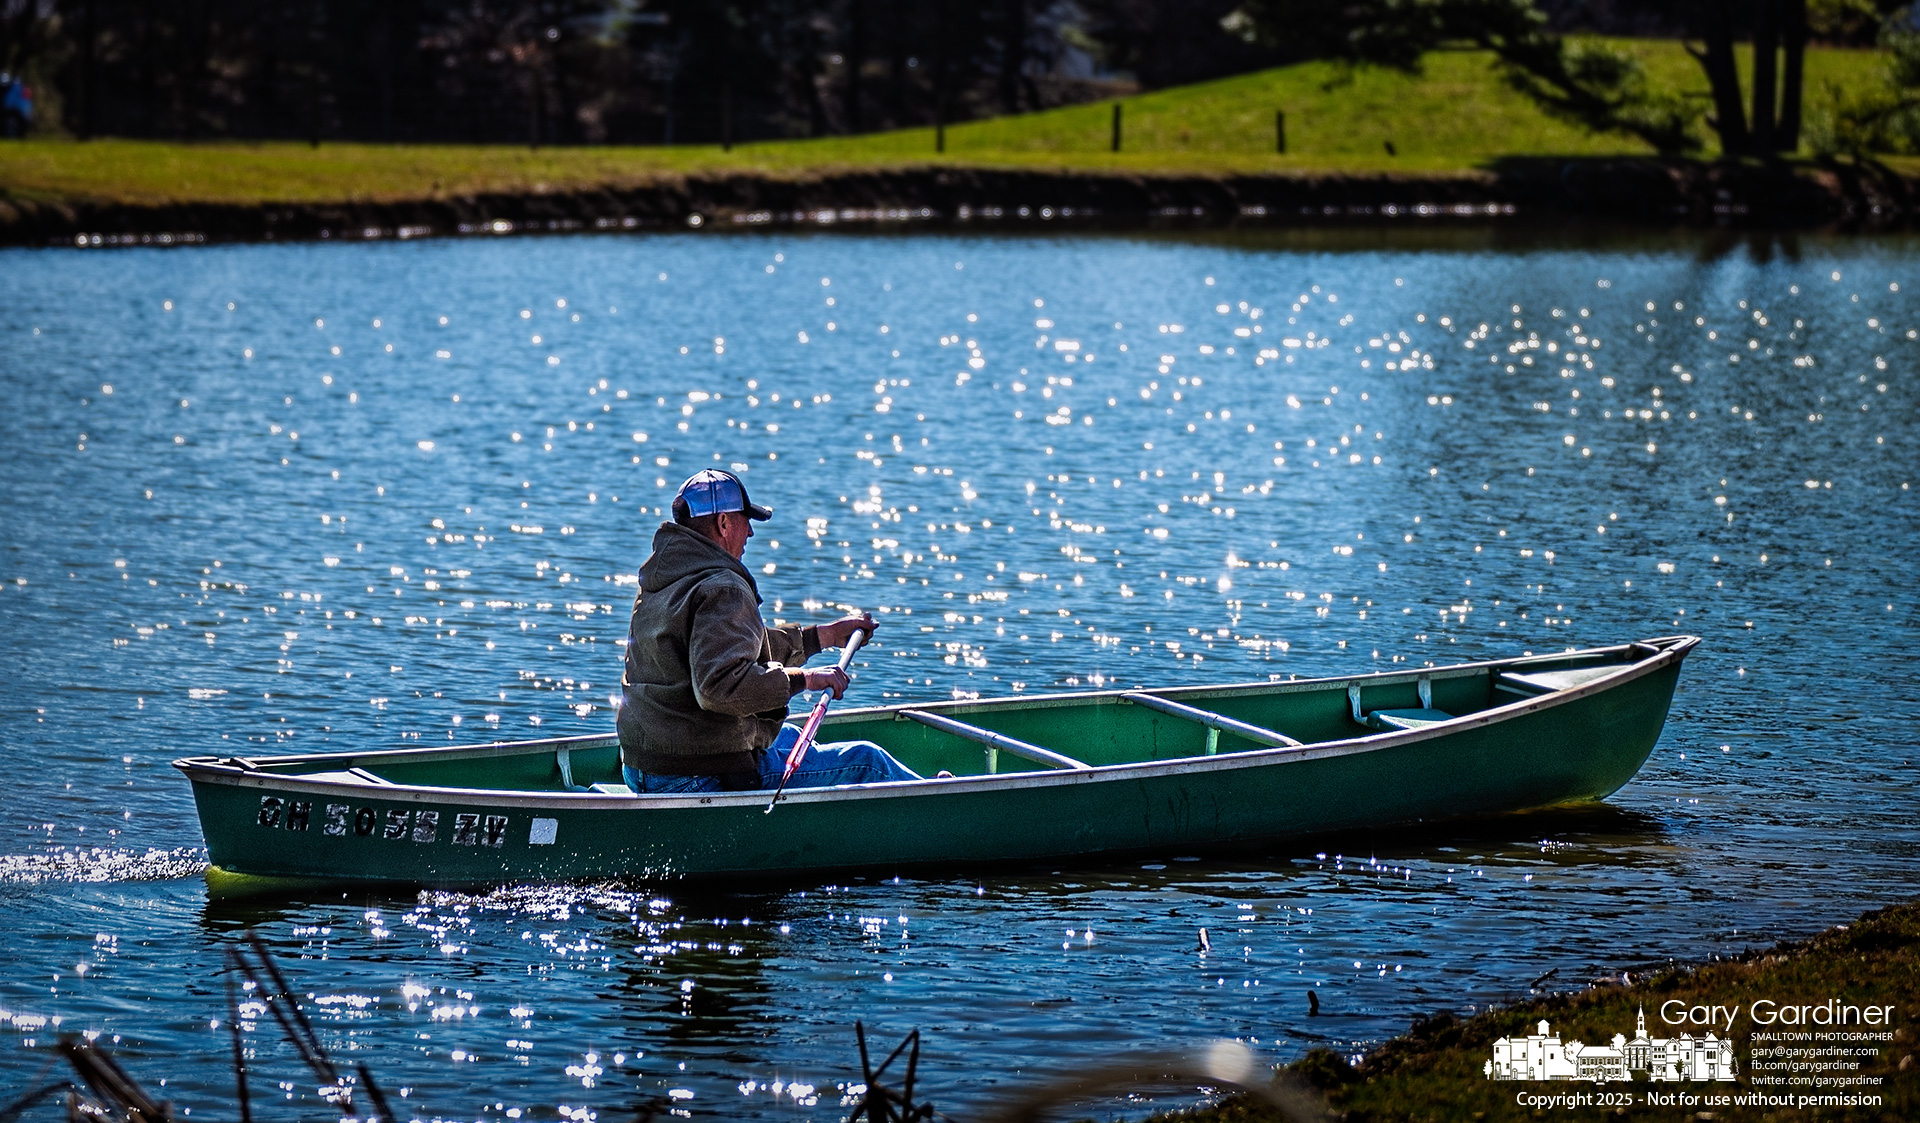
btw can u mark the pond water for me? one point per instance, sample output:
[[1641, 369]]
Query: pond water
[[300, 498]]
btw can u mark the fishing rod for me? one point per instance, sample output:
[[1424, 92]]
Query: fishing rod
[[799, 751]]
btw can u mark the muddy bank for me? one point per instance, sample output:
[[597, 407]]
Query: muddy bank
[[1646, 192]]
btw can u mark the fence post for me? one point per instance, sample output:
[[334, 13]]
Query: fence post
[[1116, 126], [1280, 131]]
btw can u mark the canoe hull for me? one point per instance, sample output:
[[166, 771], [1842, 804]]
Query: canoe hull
[[1578, 746]]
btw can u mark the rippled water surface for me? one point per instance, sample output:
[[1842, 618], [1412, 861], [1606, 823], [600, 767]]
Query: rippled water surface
[[300, 498]]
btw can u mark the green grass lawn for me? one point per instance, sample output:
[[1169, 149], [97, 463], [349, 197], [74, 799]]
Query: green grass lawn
[[1454, 117]]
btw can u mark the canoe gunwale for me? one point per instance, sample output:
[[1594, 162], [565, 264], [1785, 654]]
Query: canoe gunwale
[[488, 749], [213, 770]]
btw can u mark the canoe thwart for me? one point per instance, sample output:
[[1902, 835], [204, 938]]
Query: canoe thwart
[[992, 740], [1217, 722]]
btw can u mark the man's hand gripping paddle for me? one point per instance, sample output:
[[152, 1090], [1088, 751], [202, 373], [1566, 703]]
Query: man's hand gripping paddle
[[799, 751]]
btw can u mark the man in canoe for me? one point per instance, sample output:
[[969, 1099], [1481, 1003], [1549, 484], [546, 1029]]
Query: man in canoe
[[706, 683]]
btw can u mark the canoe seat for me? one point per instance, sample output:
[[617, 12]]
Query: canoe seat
[[1399, 719], [1406, 719], [1535, 683], [610, 789]]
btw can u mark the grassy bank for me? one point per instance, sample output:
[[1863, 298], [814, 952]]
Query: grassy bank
[[1435, 1072], [1456, 117]]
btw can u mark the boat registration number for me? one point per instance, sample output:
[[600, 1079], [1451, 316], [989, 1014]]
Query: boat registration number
[[422, 826]]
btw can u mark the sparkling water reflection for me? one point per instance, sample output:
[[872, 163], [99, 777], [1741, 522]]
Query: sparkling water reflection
[[285, 498]]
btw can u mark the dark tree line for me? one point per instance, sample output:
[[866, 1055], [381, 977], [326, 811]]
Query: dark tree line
[[703, 71], [591, 71]]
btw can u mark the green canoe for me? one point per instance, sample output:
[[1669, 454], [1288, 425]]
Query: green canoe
[[1046, 777]]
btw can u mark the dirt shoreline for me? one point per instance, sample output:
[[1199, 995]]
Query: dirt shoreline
[[1643, 192]]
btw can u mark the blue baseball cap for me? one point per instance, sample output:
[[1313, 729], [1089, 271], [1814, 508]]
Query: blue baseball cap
[[712, 491]]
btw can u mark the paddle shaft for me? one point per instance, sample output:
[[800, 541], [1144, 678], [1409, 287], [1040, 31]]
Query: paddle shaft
[[799, 750]]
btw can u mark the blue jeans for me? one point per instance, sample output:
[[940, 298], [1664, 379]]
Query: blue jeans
[[824, 766]]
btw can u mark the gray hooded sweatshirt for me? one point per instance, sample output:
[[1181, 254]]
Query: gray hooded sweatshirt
[[706, 683]]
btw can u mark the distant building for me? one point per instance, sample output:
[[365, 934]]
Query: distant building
[[1682, 1058], [1639, 1051], [1600, 1063], [1543, 1056], [1540, 1056]]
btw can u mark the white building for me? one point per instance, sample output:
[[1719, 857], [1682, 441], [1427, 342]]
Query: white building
[[1543, 1056], [1684, 1058], [1600, 1063], [1708, 1058], [1540, 1056]]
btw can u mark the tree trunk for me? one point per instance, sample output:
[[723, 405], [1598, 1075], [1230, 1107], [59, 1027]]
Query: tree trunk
[[940, 76], [88, 36], [666, 102], [1729, 118], [534, 107], [1766, 62], [728, 54], [897, 63], [148, 112], [383, 53], [267, 99], [1013, 53], [315, 38], [1793, 35], [313, 106], [180, 90], [856, 55], [817, 124], [563, 108], [199, 67]]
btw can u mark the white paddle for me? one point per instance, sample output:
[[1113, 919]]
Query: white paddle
[[799, 750]]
